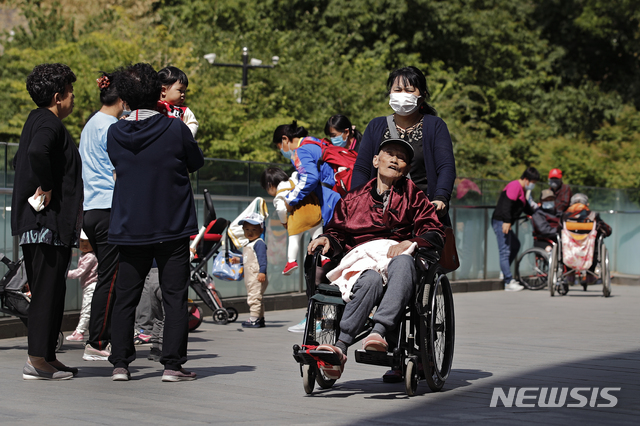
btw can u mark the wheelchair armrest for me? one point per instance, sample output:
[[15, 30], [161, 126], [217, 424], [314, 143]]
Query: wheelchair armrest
[[425, 257]]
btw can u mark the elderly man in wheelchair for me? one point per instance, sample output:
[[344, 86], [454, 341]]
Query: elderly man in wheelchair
[[581, 250], [390, 237]]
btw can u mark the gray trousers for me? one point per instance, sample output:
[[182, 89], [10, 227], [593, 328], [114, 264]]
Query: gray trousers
[[368, 292], [150, 312]]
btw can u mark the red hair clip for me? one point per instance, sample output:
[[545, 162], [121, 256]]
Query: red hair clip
[[103, 82]]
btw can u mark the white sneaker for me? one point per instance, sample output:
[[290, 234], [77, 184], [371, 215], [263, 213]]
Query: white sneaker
[[298, 328], [513, 286], [93, 354]]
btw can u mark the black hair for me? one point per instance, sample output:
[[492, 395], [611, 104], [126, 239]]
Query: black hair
[[531, 174], [272, 177], [289, 130], [138, 86], [412, 76], [169, 75], [45, 80], [340, 122], [108, 95]]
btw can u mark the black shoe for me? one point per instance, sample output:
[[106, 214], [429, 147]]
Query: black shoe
[[29, 372], [259, 323], [393, 376], [154, 354]]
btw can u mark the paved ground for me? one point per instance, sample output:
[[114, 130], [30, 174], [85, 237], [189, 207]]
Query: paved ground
[[524, 339]]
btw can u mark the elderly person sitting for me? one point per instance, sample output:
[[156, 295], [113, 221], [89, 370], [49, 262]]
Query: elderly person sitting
[[389, 207]]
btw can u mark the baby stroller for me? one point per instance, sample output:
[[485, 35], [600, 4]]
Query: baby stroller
[[206, 245], [14, 294], [580, 248]]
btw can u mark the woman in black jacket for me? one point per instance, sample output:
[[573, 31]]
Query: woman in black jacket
[[48, 177], [433, 168], [152, 216]]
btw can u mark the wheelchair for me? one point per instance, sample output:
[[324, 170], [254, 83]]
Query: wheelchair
[[532, 266], [559, 272], [424, 337]]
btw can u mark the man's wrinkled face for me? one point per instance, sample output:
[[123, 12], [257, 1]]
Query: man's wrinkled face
[[392, 162]]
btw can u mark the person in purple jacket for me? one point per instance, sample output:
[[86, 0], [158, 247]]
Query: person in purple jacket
[[433, 168], [511, 203]]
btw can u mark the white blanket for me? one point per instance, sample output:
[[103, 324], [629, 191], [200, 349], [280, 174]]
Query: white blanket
[[371, 255]]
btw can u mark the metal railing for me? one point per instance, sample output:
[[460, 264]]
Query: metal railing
[[233, 184]]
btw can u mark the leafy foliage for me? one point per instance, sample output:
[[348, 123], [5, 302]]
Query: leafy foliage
[[548, 83]]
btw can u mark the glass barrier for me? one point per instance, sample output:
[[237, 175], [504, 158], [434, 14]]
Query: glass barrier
[[233, 185]]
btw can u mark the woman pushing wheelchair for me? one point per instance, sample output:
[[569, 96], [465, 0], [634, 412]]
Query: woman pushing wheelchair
[[376, 227]]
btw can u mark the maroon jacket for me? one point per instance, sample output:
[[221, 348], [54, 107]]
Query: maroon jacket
[[359, 218], [563, 198]]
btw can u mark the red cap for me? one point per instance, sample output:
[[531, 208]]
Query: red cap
[[555, 173]]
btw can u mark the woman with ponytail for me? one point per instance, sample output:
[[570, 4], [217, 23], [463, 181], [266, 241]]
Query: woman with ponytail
[[433, 167], [314, 175], [97, 174], [342, 133]]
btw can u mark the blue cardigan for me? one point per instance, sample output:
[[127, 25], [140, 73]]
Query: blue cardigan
[[438, 156]]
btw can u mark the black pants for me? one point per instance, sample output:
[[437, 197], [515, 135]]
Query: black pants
[[96, 226], [46, 268], [172, 258]]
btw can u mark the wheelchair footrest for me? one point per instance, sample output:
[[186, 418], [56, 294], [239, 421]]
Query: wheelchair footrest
[[384, 359], [312, 356]]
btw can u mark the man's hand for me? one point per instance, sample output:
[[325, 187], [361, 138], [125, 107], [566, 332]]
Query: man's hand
[[262, 277], [506, 227], [234, 260], [319, 242], [398, 249]]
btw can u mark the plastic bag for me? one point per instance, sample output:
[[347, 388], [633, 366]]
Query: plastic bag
[[224, 270]]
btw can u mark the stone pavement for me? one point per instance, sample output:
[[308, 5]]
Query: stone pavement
[[248, 376]]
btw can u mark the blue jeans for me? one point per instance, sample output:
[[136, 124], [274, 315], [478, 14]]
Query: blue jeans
[[508, 246]]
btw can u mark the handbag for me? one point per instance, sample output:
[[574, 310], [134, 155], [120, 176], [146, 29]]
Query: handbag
[[449, 260], [224, 270]]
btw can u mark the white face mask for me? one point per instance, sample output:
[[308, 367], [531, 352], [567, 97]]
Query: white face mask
[[403, 103]]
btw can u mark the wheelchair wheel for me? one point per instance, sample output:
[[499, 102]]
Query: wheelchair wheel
[[437, 330], [606, 272], [308, 377], [553, 269], [322, 380], [411, 377], [532, 268], [326, 317], [220, 316]]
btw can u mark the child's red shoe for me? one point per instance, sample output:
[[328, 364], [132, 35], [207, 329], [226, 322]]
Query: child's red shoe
[[289, 268]]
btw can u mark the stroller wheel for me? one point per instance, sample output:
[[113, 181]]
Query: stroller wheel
[[563, 288], [60, 341], [221, 316], [233, 314]]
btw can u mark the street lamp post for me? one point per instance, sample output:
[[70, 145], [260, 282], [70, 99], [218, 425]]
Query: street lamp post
[[246, 64]]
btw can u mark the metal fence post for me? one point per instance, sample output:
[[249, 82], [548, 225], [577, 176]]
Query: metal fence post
[[486, 240]]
